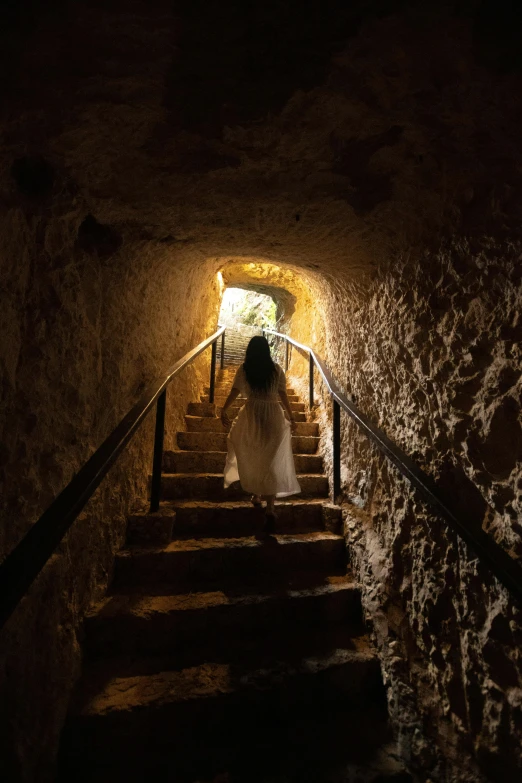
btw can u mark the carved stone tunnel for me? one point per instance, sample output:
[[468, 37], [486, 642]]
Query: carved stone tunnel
[[361, 162]]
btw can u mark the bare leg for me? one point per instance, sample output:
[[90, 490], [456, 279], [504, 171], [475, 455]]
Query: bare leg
[[270, 499], [270, 516]]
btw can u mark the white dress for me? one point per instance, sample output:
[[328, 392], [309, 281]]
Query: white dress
[[260, 442]]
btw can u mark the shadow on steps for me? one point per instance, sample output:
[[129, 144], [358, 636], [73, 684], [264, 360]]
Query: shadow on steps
[[322, 743]]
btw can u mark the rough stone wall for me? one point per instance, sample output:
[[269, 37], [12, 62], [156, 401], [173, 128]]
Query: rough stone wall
[[432, 356], [84, 332]]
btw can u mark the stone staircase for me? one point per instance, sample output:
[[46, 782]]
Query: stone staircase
[[236, 341], [221, 655]]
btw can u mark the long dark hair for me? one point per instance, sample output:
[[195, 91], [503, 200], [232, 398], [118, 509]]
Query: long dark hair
[[259, 368]]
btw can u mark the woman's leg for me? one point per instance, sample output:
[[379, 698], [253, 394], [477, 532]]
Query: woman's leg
[[270, 516], [270, 499]]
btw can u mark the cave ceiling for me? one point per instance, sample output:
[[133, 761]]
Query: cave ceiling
[[327, 136]]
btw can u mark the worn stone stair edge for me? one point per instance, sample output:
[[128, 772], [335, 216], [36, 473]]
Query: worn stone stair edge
[[210, 623], [209, 410], [216, 476], [209, 680], [221, 453], [217, 441], [292, 501], [149, 606], [214, 482], [226, 385], [213, 424], [310, 438], [210, 485], [219, 399], [314, 508], [237, 403], [231, 634], [185, 562], [192, 460], [246, 542]]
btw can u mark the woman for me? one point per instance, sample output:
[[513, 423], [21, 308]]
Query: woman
[[260, 441]]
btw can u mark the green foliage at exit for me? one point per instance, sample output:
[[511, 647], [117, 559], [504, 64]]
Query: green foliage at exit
[[249, 308]]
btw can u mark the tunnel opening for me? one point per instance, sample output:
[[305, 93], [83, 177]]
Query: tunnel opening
[[259, 293], [243, 307]]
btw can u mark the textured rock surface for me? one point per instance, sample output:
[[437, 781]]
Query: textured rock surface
[[374, 158], [88, 348], [450, 636]]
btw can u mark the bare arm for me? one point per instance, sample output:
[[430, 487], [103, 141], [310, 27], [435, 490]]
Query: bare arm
[[228, 402], [286, 405]]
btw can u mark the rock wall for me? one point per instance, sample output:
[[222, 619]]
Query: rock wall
[[85, 328], [431, 354]]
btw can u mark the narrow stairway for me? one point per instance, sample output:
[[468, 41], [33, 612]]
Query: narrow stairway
[[221, 655], [236, 343]]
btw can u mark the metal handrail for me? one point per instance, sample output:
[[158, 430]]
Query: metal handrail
[[485, 548], [21, 567]]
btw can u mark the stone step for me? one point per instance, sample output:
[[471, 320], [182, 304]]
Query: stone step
[[198, 562], [192, 519], [233, 356], [210, 424], [209, 486], [221, 395], [234, 346], [214, 462], [214, 704], [232, 340], [223, 387], [236, 339], [217, 441], [211, 409], [288, 640], [241, 518], [352, 745], [160, 624]]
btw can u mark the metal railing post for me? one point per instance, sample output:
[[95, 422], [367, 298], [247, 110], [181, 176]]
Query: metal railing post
[[336, 436], [155, 486], [287, 351], [311, 382], [222, 361], [213, 371]]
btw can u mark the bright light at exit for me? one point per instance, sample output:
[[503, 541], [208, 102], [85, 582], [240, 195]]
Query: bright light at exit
[[242, 307]]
